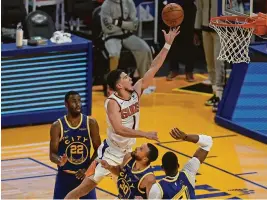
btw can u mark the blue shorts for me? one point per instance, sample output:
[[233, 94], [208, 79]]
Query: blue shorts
[[67, 182]]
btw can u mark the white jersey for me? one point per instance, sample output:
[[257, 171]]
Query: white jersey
[[130, 114]]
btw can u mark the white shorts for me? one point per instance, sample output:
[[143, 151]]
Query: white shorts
[[112, 155]]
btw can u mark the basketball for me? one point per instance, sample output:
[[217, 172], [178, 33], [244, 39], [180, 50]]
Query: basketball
[[172, 14]]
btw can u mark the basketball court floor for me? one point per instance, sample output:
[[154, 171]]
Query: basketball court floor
[[235, 168]]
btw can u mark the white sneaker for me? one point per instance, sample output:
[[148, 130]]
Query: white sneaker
[[206, 82], [149, 90]]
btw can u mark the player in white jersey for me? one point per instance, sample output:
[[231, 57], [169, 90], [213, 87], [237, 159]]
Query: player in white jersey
[[122, 109], [130, 116]]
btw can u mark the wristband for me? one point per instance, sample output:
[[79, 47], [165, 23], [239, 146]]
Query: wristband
[[167, 46]]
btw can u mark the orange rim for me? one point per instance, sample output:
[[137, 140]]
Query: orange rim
[[250, 22], [258, 22]]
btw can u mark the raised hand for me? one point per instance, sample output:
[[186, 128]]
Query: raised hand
[[170, 36], [177, 134], [152, 136]]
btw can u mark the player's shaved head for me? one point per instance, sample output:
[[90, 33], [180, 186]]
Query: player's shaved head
[[152, 153], [170, 163]]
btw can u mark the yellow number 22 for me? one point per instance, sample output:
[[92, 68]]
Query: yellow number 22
[[76, 149]]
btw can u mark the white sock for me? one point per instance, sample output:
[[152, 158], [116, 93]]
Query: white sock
[[214, 88], [219, 92]]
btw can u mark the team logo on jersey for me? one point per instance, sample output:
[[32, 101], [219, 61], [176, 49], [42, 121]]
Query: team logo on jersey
[[125, 184], [129, 111], [134, 96], [77, 153]]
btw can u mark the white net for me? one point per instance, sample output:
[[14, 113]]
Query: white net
[[234, 41]]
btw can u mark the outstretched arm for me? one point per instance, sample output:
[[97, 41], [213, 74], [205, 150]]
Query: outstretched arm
[[157, 62], [205, 142]]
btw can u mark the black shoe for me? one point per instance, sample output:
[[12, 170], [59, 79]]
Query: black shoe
[[215, 104], [210, 102]]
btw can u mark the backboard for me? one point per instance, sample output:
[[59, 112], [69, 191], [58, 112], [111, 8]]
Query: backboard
[[242, 7]]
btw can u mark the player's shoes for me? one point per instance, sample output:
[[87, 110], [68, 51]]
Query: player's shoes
[[216, 104], [171, 76], [189, 77], [211, 101]]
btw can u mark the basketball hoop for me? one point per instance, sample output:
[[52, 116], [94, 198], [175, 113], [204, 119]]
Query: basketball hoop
[[235, 34]]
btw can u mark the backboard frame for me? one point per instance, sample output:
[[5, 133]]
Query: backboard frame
[[225, 11]]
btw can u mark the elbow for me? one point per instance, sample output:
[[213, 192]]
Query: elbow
[[119, 131]]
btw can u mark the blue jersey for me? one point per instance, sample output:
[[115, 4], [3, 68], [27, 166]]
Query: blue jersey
[[177, 187], [75, 143], [129, 181]]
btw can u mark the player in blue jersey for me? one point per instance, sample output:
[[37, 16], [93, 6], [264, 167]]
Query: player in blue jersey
[[135, 176], [70, 142], [181, 184]]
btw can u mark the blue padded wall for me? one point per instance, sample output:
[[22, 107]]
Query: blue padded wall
[[251, 107]]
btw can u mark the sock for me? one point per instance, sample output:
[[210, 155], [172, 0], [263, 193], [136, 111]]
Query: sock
[[219, 92], [214, 89]]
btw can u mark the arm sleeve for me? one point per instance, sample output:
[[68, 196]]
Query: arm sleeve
[[205, 142], [155, 192], [191, 168], [198, 20], [106, 20]]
